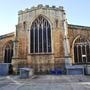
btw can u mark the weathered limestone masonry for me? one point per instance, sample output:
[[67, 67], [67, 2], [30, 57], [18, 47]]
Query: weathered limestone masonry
[[57, 53], [55, 17], [76, 32]]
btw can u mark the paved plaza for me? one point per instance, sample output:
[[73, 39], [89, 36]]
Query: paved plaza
[[46, 82]]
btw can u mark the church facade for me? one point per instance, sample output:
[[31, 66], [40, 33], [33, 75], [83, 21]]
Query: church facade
[[44, 40]]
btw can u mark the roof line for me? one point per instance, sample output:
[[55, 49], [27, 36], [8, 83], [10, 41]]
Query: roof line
[[6, 35], [78, 26]]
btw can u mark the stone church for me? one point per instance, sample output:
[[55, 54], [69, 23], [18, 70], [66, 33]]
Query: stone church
[[44, 40]]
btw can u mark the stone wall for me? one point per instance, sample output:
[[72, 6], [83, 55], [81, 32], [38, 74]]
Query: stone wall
[[55, 17], [22, 42], [76, 31]]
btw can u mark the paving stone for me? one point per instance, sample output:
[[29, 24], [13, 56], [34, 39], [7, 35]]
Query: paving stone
[[46, 83]]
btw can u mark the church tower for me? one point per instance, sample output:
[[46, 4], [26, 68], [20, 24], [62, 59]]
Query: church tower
[[40, 35]]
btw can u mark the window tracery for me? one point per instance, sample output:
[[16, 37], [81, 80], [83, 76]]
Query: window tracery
[[40, 36], [82, 51]]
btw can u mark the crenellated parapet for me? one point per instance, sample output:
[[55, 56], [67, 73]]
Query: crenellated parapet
[[40, 6]]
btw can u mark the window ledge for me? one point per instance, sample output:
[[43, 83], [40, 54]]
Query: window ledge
[[40, 53]]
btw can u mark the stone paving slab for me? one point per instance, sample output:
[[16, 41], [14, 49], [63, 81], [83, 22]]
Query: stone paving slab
[[46, 82], [54, 87], [10, 87]]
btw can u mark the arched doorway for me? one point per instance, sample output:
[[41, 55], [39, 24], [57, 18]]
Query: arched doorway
[[81, 51], [8, 53]]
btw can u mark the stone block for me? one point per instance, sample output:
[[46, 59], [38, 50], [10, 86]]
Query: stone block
[[4, 69], [25, 72], [87, 68], [75, 70]]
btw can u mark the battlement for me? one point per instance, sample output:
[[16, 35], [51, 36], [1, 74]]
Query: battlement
[[40, 6]]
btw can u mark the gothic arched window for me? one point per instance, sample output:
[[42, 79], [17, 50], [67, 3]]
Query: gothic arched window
[[8, 52], [82, 52], [40, 35]]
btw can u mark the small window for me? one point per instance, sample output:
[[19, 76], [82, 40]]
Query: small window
[[24, 24], [56, 21]]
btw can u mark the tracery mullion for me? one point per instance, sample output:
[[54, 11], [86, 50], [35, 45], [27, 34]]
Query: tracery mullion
[[9, 55], [36, 38], [42, 35], [77, 54], [86, 52], [81, 53], [38, 26], [33, 39], [40, 38], [5, 56], [49, 39], [46, 36]]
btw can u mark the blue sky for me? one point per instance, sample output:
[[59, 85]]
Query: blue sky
[[77, 11]]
